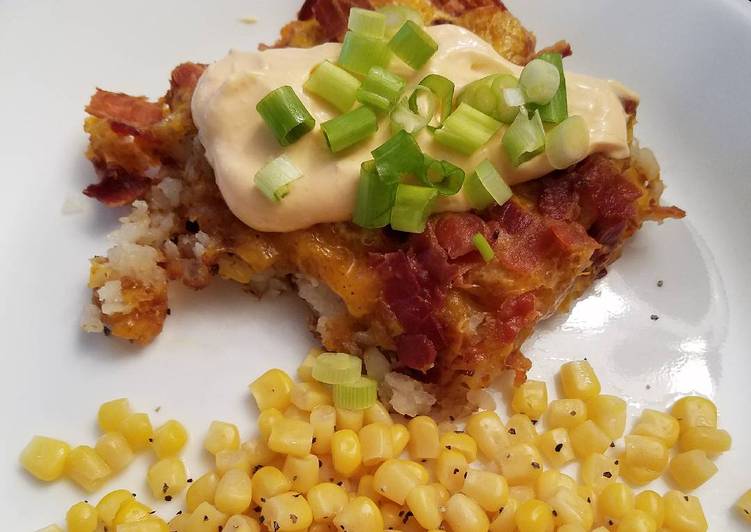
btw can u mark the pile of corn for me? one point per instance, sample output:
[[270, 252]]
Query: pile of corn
[[318, 467]]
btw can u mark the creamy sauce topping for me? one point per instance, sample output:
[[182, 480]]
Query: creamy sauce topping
[[238, 142]]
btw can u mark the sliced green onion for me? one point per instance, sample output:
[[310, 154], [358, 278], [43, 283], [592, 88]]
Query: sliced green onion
[[396, 16], [466, 129], [350, 128], [360, 53], [357, 395], [413, 45], [485, 186], [443, 88], [380, 89], [423, 102], [480, 95], [375, 196], [337, 368], [524, 138], [556, 110], [483, 246], [334, 84], [412, 207], [274, 179], [510, 97], [445, 177], [402, 118], [285, 115], [399, 156], [540, 81], [367, 22], [567, 143]]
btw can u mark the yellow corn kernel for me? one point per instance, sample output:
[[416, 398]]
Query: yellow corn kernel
[[292, 412], [598, 470], [644, 459], [268, 482], [395, 478], [201, 490], [566, 413], [650, 502], [266, 419], [396, 517], [579, 380], [424, 440], [462, 513], [114, 449], [86, 468], [683, 513], [326, 500], [399, 438], [489, 489], [259, 453], [488, 431], [520, 429], [152, 524], [221, 436], [376, 443], [167, 478], [659, 425], [586, 493], [534, 515], [108, 505], [442, 493], [233, 492], [744, 506], [45, 458], [272, 390], [570, 509], [530, 399], [377, 413], [708, 439], [360, 515], [460, 441], [504, 521], [302, 471], [287, 512], [308, 395], [346, 452], [179, 523], [131, 511], [609, 413], [206, 518], [365, 488], [321, 527], [694, 411], [588, 438], [112, 413], [691, 469], [241, 523], [568, 527], [550, 481], [424, 504], [521, 492], [615, 501], [323, 420], [305, 370], [349, 419], [169, 439], [556, 447], [291, 436], [226, 460], [637, 521], [137, 430], [521, 464], [450, 469], [81, 517]]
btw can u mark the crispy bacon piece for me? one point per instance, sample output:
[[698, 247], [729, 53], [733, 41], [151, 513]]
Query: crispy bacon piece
[[332, 15], [134, 111], [117, 187], [185, 76], [454, 233], [560, 47]]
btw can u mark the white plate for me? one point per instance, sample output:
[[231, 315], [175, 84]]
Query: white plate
[[688, 59]]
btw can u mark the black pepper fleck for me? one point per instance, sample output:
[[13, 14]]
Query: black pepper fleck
[[189, 480], [456, 470], [205, 517], [660, 283], [589, 500], [293, 518], [512, 430], [558, 447], [448, 447], [535, 465], [165, 487], [616, 462], [612, 444], [257, 509], [168, 498], [151, 440], [685, 497], [654, 317], [314, 439], [610, 522], [572, 413], [607, 474], [555, 514], [534, 422]]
